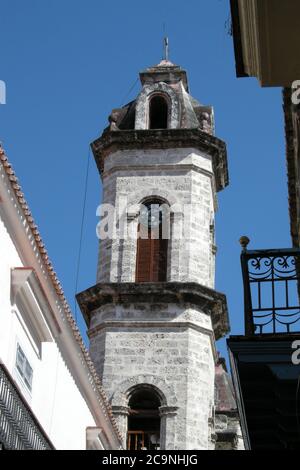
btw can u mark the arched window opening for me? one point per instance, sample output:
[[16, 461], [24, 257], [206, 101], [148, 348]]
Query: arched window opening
[[144, 420], [152, 243], [158, 113]]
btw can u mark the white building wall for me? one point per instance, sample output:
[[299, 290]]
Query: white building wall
[[55, 400]]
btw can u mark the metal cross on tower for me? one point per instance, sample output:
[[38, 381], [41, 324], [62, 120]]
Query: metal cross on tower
[[166, 49]]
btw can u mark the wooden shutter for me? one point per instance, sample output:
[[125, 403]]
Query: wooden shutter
[[151, 264], [143, 264], [162, 260]]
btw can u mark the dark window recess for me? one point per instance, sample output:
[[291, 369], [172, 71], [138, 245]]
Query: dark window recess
[[24, 368], [152, 246], [144, 421], [158, 115]]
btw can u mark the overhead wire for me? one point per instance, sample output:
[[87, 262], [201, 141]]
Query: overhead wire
[[128, 93], [84, 210], [81, 229]]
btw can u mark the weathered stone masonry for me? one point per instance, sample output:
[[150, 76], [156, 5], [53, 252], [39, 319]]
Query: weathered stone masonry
[[161, 335]]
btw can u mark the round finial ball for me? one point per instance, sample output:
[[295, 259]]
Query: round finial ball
[[244, 242]]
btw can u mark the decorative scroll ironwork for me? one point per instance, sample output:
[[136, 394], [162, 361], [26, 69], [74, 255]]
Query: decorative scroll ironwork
[[19, 430], [271, 290]]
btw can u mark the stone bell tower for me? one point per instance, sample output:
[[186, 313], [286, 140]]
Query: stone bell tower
[[153, 317]]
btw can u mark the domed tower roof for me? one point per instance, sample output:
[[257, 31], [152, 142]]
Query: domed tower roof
[[164, 115], [169, 80]]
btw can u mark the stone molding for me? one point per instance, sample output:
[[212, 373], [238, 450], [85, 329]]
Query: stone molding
[[209, 301], [113, 141], [120, 410], [124, 389], [142, 105], [168, 411]]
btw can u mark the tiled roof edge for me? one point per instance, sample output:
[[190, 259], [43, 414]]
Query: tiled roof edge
[[56, 283]]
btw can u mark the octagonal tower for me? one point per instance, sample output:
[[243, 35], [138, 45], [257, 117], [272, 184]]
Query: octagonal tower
[[153, 317]]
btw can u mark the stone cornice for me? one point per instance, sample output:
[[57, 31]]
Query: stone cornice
[[113, 141], [209, 301], [146, 324], [159, 169]]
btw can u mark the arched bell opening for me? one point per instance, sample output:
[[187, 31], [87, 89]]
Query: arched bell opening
[[144, 420], [158, 112]]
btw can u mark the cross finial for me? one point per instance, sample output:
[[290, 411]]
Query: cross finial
[[166, 48]]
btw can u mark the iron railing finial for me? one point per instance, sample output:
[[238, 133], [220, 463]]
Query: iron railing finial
[[244, 242]]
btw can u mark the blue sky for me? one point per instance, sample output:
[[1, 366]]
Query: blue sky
[[67, 63]]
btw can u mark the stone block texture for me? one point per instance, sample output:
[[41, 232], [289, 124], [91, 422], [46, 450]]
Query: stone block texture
[[183, 178], [168, 346], [178, 360], [166, 341]]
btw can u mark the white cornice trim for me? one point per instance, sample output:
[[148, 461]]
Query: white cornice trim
[[27, 292], [255, 23]]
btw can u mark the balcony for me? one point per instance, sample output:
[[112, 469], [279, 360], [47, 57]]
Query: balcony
[[265, 373], [19, 429], [271, 290]]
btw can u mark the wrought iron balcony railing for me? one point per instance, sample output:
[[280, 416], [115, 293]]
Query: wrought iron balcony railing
[[19, 429], [271, 290]]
